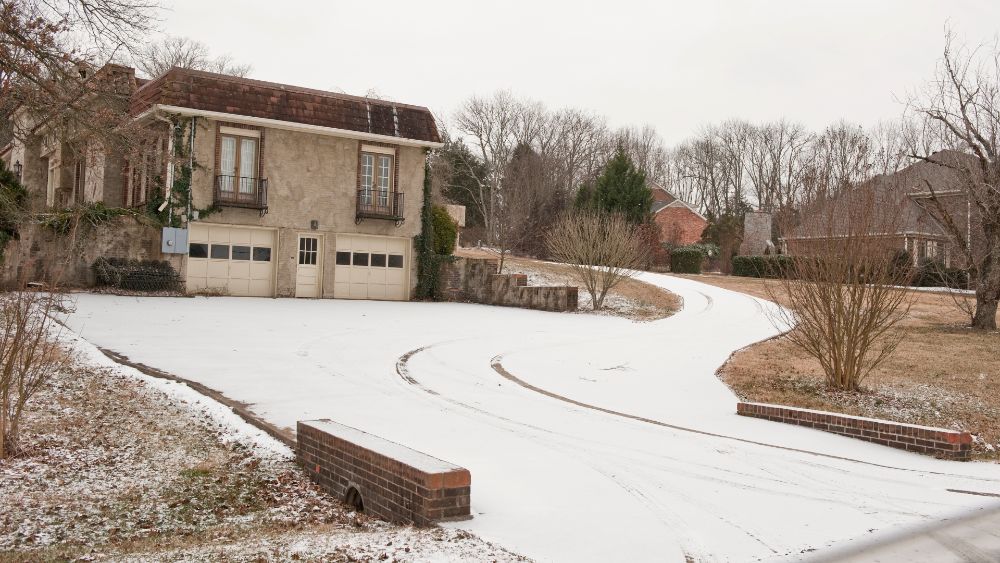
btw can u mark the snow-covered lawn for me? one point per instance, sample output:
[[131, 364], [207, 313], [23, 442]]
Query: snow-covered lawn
[[554, 479], [122, 466]]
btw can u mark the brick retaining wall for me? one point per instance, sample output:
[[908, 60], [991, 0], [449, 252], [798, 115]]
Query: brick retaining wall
[[940, 442], [394, 482]]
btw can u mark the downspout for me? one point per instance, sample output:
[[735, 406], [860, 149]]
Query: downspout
[[191, 133], [170, 168]]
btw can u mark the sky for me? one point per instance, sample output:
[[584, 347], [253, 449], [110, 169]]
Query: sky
[[675, 65]]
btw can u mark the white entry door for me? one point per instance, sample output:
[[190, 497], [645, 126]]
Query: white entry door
[[308, 270]]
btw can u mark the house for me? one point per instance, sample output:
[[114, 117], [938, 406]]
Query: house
[[293, 191], [680, 223], [906, 217]]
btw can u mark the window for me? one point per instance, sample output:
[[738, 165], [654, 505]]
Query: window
[[220, 251], [367, 177], [378, 260], [237, 164], [308, 247], [241, 252], [343, 258], [198, 250], [360, 258], [376, 179], [261, 254], [395, 260]]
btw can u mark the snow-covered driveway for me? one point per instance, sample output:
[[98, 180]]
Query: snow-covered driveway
[[588, 437]]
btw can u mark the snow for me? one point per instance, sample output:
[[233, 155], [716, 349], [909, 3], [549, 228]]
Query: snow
[[553, 479], [235, 429]]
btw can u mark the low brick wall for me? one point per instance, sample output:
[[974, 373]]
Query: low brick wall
[[477, 280], [940, 442], [389, 480]]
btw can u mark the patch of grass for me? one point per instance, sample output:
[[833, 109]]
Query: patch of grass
[[943, 374]]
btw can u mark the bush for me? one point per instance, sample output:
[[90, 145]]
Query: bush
[[932, 273], [445, 231], [686, 260], [136, 275], [774, 266]]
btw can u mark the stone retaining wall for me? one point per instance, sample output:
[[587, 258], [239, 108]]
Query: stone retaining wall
[[940, 442], [386, 479], [477, 280]]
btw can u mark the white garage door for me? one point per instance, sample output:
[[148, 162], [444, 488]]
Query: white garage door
[[230, 260], [371, 267]]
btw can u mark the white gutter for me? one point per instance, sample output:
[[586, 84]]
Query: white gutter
[[291, 126]]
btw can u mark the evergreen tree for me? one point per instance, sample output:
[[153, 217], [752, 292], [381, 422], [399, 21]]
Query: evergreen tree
[[621, 188]]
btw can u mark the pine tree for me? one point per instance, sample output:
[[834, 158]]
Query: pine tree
[[621, 188]]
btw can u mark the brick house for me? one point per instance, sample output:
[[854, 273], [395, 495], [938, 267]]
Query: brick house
[[914, 224], [294, 192], [680, 224]]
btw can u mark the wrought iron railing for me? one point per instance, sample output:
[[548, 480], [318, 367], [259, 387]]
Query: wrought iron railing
[[241, 191], [378, 204]]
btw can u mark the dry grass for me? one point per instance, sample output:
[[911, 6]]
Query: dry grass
[[115, 470], [942, 374]]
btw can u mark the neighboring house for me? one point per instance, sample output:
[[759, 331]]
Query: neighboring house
[[295, 192], [680, 223], [912, 222]]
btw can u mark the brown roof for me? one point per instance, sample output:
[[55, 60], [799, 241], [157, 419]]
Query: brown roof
[[208, 91]]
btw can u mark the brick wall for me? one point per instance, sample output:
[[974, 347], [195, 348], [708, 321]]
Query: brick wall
[[679, 225], [392, 481], [476, 280], [922, 439]]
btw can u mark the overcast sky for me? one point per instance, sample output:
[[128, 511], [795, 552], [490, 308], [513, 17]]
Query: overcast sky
[[674, 65]]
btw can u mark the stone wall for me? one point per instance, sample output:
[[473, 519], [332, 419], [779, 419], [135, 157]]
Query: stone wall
[[756, 234], [40, 254], [940, 442], [383, 478], [476, 280]]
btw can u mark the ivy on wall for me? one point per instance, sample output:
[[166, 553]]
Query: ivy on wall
[[181, 201], [429, 263]]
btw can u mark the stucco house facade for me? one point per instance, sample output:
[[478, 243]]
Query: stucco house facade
[[293, 192]]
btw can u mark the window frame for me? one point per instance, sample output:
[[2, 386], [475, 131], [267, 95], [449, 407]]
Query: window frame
[[236, 185], [383, 183]]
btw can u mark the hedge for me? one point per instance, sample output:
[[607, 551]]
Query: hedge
[[445, 231], [136, 275], [686, 260], [935, 274], [774, 266]]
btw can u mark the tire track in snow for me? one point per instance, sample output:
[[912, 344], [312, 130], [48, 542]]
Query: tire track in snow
[[497, 366]]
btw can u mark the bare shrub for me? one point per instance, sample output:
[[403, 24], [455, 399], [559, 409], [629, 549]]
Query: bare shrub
[[845, 297], [601, 249], [29, 356]]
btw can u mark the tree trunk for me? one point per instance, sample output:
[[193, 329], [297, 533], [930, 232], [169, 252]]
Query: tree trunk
[[987, 294]]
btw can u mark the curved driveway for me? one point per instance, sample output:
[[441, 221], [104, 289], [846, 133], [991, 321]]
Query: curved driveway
[[588, 437]]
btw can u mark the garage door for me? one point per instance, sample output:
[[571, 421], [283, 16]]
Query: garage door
[[230, 260], [371, 267]]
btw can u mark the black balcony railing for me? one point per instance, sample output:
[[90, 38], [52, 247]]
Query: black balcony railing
[[241, 191], [377, 204]]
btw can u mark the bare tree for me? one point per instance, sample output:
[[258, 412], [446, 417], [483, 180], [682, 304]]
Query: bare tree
[[843, 291], [156, 58], [48, 50], [603, 250], [959, 110], [29, 357]]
